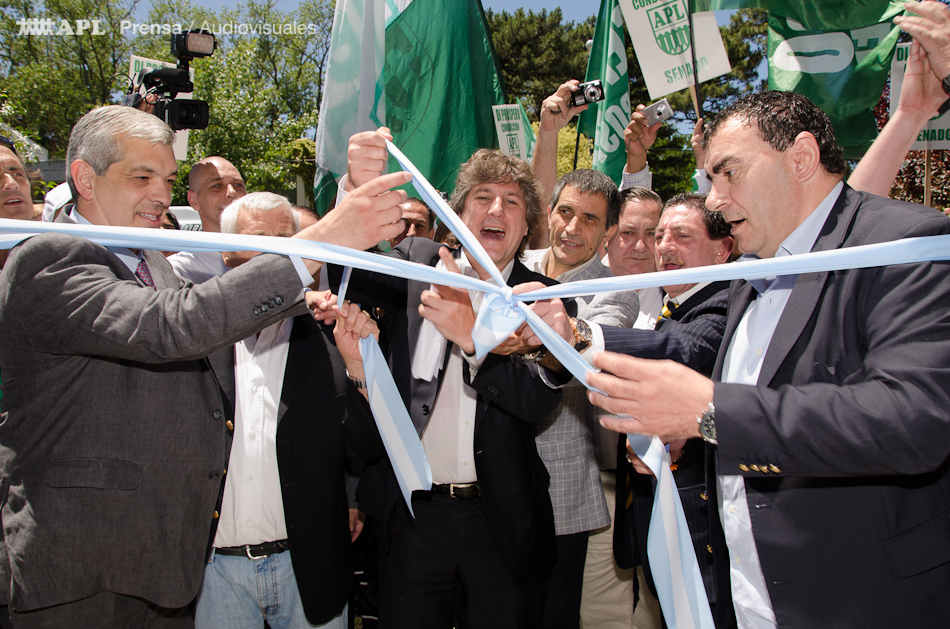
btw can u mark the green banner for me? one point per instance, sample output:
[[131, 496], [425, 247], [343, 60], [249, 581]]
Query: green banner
[[837, 53], [605, 121], [442, 78]]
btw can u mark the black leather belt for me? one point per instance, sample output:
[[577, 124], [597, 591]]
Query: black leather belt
[[462, 491], [257, 551]]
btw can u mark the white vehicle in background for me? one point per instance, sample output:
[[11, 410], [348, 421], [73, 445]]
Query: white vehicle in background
[[187, 217]]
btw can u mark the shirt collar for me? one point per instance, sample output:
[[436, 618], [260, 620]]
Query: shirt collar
[[802, 240], [680, 299], [465, 268], [537, 261], [128, 257]]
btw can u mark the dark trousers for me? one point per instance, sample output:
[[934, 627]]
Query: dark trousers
[[562, 609], [445, 555], [105, 610]]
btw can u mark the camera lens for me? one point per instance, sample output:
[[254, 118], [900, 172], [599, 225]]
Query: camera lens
[[593, 93]]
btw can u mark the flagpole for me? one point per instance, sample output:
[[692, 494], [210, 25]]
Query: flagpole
[[927, 177], [694, 90]]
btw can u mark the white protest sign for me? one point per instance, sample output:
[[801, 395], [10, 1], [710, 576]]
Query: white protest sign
[[511, 134], [936, 133], [659, 30], [137, 63]]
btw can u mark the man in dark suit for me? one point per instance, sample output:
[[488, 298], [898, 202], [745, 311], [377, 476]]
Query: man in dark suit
[[282, 550], [485, 532], [688, 331], [830, 393], [108, 498]]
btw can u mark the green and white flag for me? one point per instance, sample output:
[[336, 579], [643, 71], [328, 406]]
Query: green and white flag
[[431, 81], [442, 78], [605, 121], [836, 52]]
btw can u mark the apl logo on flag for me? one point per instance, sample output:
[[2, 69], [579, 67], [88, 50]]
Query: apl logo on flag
[[670, 24]]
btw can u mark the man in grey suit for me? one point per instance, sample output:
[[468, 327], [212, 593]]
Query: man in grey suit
[[583, 214], [108, 498], [828, 402]]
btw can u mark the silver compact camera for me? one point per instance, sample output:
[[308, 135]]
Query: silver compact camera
[[658, 112], [587, 93]]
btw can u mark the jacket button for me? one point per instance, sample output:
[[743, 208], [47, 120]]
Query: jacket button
[[214, 476], [709, 548], [754, 467], [230, 425], [279, 300], [217, 414], [272, 303], [743, 467], [257, 311], [216, 515], [264, 308], [775, 468], [425, 409], [703, 495]]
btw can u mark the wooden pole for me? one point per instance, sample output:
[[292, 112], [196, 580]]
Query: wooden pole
[[692, 94]]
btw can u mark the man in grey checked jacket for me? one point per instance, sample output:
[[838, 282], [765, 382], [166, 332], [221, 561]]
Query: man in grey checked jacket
[[582, 217]]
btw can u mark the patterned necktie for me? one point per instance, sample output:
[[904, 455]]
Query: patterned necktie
[[667, 312], [142, 272]]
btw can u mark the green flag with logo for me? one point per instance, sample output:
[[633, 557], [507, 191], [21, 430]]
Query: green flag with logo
[[836, 52], [605, 121], [442, 78]]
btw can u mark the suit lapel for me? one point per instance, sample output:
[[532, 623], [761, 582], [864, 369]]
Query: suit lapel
[[700, 297], [302, 358], [808, 287]]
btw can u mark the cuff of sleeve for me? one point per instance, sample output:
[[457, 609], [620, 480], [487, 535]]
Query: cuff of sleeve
[[642, 179], [474, 363], [597, 344], [341, 189], [305, 278], [701, 183]]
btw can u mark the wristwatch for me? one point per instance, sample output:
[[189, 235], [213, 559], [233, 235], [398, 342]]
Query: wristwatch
[[707, 424], [534, 357], [582, 334], [359, 384]]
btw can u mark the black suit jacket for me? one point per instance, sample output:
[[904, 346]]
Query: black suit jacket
[[851, 407], [511, 398], [319, 413], [692, 336]]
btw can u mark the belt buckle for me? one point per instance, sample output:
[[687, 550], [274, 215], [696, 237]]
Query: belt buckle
[[462, 488], [247, 549]]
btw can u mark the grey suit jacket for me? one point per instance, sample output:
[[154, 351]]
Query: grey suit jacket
[[564, 438], [852, 407], [112, 441]]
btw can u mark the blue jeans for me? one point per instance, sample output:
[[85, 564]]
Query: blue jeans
[[240, 593]]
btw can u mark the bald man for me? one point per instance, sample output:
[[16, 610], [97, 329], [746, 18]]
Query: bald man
[[213, 183]]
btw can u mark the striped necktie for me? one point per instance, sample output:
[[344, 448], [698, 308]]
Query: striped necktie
[[667, 312]]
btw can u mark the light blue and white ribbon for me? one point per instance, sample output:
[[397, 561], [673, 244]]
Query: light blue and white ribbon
[[676, 575], [399, 436]]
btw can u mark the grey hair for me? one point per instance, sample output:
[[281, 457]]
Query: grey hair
[[260, 201], [98, 137]]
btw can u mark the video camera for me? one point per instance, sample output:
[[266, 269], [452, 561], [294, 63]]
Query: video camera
[[168, 82]]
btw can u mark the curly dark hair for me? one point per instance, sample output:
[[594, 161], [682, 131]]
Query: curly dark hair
[[780, 117]]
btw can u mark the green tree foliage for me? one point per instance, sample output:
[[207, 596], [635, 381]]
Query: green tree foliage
[[537, 52], [52, 79]]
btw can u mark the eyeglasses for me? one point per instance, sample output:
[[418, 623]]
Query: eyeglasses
[[7, 142]]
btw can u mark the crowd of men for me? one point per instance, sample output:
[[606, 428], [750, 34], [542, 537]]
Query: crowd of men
[[189, 441]]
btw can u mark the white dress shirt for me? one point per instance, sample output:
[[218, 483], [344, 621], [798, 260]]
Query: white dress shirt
[[449, 436], [743, 362], [252, 511]]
